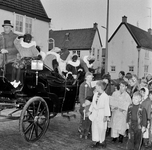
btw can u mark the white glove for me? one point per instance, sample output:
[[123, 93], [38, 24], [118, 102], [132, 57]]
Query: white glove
[[3, 51]]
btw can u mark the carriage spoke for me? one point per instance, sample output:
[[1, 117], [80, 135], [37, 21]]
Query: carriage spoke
[[38, 107], [42, 111], [33, 109], [31, 132], [28, 128], [30, 113], [36, 130], [39, 126]]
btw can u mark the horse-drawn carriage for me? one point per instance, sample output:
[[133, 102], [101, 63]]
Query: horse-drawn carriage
[[42, 96]]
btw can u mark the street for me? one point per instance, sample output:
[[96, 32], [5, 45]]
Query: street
[[62, 134]]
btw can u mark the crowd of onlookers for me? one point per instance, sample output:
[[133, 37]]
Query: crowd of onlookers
[[119, 108]]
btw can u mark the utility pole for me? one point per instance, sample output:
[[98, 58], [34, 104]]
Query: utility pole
[[150, 16], [107, 31]]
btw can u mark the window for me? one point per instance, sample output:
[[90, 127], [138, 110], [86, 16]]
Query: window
[[23, 24], [93, 51], [78, 52], [19, 23], [146, 68], [131, 68], [146, 54], [98, 52], [74, 52], [28, 25], [113, 68], [103, 61]]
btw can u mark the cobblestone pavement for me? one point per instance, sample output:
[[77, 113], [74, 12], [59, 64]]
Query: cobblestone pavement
[[62, 134]]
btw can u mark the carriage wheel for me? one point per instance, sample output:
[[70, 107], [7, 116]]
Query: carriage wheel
[[34, 119]]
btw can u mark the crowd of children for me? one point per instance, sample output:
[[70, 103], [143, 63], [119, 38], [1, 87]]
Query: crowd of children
[[127, 111]]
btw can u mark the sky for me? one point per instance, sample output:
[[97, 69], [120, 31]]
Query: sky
[[78, 14]]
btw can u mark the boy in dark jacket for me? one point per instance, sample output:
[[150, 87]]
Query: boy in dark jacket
[[85, 93], [137, 122]]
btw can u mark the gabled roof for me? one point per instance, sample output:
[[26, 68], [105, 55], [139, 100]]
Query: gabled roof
[[141, 37], [74, 39], [31, 8]]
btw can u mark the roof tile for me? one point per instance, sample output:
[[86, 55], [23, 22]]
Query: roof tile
[[31, 8]]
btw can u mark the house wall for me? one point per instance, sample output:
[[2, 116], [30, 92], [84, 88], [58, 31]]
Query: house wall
[[145, 60], [97, 46], [40, 29], [122, 52]]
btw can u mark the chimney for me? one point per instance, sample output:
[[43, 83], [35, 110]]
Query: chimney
[[95, 25], [124, 19], [150, 31]]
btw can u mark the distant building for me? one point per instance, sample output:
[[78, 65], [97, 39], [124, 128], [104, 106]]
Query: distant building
[[27, 16], [130, 50], [84, 42]]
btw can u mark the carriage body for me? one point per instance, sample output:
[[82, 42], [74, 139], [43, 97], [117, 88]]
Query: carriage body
[[42, 96]]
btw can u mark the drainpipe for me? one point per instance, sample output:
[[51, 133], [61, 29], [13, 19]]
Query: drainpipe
[[138, 63]]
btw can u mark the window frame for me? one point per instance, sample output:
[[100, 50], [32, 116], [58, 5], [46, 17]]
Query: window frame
[[131, 68], [113, 68]]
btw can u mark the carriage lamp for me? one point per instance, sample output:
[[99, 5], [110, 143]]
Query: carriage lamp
[[37, 65]]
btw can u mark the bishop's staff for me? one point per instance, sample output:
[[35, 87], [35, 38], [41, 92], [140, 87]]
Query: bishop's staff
[[2, 46]]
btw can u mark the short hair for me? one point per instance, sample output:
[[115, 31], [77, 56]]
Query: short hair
[[137, 93], [143, 89], [88, 74], [122, 72], [150, 92], [102, 84], [124, 83], [128, 75], [27, 38]]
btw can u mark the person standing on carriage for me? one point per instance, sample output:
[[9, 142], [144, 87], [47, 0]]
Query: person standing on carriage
[[75, 69], [85, 93], [89, 60], [27, 50], [7, 43]]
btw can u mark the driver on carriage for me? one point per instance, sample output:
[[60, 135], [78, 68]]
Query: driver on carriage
[[27, 50], [7, 43]]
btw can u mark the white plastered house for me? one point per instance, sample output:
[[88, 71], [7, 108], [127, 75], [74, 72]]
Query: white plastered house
[[130, 50], [27, 16]]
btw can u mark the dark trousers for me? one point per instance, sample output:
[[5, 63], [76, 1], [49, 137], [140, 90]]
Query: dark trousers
[[85, 126], [135, 137]]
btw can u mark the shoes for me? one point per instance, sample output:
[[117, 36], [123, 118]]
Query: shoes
[[79, 130], [86, 137], [81, 136], [15, 84], [103, 144], [114, 140], [97, 144], [120, 138]]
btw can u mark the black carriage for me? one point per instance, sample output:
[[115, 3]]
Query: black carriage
[[42, 96]]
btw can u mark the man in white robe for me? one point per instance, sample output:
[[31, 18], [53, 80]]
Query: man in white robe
[[100, 112]]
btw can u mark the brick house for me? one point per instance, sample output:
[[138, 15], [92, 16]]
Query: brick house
[[84, 42]]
